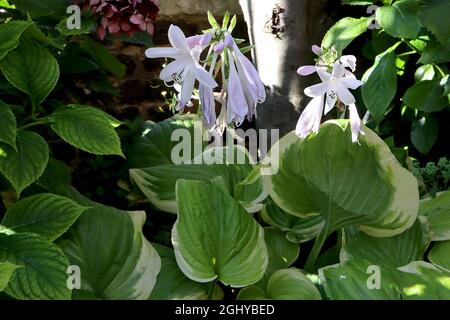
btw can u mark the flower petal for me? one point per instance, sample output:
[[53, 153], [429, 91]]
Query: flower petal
[[317, 90], [204, 77], [338, 70], [162, 53], [344, 94], [348, 62], [174, 68], [177, 38], [352, 83], [208, 104], [355, 123], [330, 102], [316, 49], [306, 70], [309, 120], [323, 74], [186, 89]]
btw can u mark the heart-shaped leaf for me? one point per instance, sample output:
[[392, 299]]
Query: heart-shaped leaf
[[215, 238], [115, 259]]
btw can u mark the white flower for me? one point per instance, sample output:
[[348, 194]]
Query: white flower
[[310, 119], [335, 86], [186, 68]]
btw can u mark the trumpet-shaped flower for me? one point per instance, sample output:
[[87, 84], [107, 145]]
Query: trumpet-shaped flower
[[334, 86], [186, 68]]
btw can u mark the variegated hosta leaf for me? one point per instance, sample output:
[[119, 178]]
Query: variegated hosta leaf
[[158, 140], [393, 251], [285, 284], [298, 230], [436, 211], [242, 180], [420, 280], [115, 259], [348, 183], [440, 254], [172, 284], [215, 238], [361, 279]]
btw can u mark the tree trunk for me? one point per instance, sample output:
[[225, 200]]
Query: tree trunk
[[283, 32]]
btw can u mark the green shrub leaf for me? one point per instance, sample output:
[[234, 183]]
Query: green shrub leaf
[[8, 126], [344, 32], [32, 69], [426, 96], [381, 77], [43, 273], [26, 165], [400, 20], [424, 133], [88, 129], [432, 16], [6, 271], [47, 215], [10, 34]]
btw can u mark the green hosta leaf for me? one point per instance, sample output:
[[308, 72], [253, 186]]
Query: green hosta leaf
[[297, 229], [282, 253], [43, 273], [172, 284], [41, 8], [440, 254], [10, 34], [88, 129], [400, 20], [215, 238], [115, 259], [359, 280], [424, 133], [8, 126], [155, 145], [32, 69], [158, 183], [381, 77], [352, 184], [432, 16], [26, 165], [103, 57], [423, 281], [426, 96], [394, 251], [436, 211], [47, 215], [286, 284], [344, 32], [6, 271]]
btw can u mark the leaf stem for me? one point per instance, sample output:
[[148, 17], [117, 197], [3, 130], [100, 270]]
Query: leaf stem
[[439, 69], [36, 123], [407, 53], [318, 244], [211, 289]]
